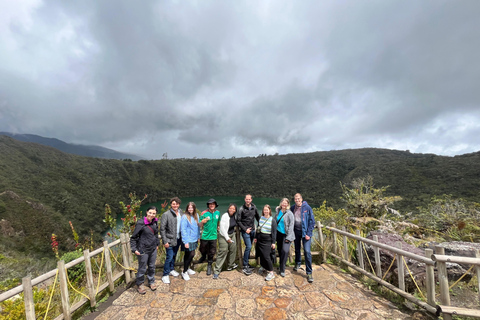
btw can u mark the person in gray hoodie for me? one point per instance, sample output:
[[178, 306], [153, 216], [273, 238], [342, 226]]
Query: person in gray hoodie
[[285, 232], [171, 237]]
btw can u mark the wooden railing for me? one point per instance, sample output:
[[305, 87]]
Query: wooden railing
[[62, 268], [331, 247]]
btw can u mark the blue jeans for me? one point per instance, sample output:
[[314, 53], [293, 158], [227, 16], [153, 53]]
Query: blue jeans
[[171, 254], [248, 239], [306, 250], [146, 265]]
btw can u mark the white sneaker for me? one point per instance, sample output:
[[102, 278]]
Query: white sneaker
[[166, 279], [269, 276], [185, 276], [190, 272], [174, 273]]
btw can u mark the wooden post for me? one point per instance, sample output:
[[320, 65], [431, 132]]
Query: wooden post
[[28, 298], [62, 277], [108, 266], [430, 280], [443, 281], [239, 247], [378, 262], [360, 252], [88, 270], [322, 244], [477, 268], [345, 245], [130, 255], [335, 249], [400, 269], [125, 258]]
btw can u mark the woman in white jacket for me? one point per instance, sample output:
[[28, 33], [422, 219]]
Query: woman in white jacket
[[226, 246]]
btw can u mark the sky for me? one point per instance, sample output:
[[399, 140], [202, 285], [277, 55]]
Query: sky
[[213, 79]]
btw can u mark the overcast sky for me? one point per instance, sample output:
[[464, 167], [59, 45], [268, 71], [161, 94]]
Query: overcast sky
[[216, 79]]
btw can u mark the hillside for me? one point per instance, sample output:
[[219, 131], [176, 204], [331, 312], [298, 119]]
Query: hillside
[[78, 149], [78, 187]]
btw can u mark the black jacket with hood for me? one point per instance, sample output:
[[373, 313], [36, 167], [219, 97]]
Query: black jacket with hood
[[246, 217]]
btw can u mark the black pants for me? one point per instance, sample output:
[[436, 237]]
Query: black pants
[[264, 250], [208, 248], [284, 249], [187, 259]]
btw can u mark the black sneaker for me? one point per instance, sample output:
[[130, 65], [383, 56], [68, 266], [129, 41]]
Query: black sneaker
[[297, 266], [247, 270], [234, 266]]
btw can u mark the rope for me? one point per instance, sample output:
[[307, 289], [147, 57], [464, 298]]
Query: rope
[[368, 258], [453, 285], [391, 264], [51, 295], [68, 280], [131, 269], [100, 271], [411, 275]]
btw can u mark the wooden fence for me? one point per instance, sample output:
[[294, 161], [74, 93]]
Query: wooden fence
[[439, 260], [62, 269]]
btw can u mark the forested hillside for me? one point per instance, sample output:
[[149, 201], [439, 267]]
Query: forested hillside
[[78, 187]]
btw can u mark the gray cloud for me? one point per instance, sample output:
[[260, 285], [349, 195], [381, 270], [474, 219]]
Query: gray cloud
[[222, 79]]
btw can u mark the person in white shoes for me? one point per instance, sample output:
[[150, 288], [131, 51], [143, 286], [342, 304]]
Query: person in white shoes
[[190, 230], [171, 237], [265, 238]]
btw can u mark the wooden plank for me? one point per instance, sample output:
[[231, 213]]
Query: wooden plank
[[400, 269], [322, 244], [443, 281], [430, 280], [456, 259], [90, 286], [477, 269], [125, 258], [360, 252], [345, 246], [335, 249], [28, 298], [378, 262], [459, 311], [62, 276], [108, 266]]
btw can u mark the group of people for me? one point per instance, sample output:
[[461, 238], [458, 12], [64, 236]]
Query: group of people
[[272, 234]]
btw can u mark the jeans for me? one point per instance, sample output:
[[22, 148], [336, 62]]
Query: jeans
[[171, 254], [146, 264], [247, 239], [306, 250]]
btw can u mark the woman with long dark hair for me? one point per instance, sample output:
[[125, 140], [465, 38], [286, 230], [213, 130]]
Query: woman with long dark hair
[[190, 230], [226, 247]]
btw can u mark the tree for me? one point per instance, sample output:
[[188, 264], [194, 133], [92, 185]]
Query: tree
[[364, 200]]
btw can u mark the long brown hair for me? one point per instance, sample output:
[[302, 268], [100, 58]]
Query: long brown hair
[[194, 215]]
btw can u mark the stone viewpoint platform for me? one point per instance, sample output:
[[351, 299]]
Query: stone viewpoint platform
[[333, 295]]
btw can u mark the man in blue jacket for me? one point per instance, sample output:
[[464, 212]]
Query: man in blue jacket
[[303, 227]]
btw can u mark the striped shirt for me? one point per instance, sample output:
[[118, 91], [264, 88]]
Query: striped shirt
[[266, 225]]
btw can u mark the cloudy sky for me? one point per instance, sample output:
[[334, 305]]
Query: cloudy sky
[[219, 79]]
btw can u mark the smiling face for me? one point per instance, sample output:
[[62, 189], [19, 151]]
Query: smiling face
[[267, 211], [248, 200], [284, 204], [231, 210], [151, 214], [212, 206], [190, 209], [175, 205], [298, 200]]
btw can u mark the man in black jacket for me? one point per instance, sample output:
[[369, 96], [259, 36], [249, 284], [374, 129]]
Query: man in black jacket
[[246, 221]]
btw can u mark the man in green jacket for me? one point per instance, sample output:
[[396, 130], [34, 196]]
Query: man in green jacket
[[208, 241]]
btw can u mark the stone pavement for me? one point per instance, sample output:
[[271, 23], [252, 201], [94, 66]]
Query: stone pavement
[[333, 295]]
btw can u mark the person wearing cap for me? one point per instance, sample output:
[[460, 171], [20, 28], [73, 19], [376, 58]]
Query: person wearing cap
[[208, 241], [247, 214], [144, 243], [304, 222], [171, 237]]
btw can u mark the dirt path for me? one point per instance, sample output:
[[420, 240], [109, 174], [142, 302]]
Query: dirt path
[[333, 295]]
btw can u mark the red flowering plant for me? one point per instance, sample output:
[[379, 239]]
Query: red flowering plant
[[55, 245], [131, 212]]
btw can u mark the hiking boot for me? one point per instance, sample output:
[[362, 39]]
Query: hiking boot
[[234, 266], [202, 259], [174, 273], [269, 276], [247, 271], [166, 279], [310, 277], [297, 266], [209, 268], [185, 276], [215, 276], [153, 286], [190, 272], [141, 289]]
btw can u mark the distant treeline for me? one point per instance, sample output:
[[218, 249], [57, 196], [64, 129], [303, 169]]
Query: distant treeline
[[78, 187]]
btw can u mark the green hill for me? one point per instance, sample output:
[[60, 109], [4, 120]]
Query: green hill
[[77, 187]]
